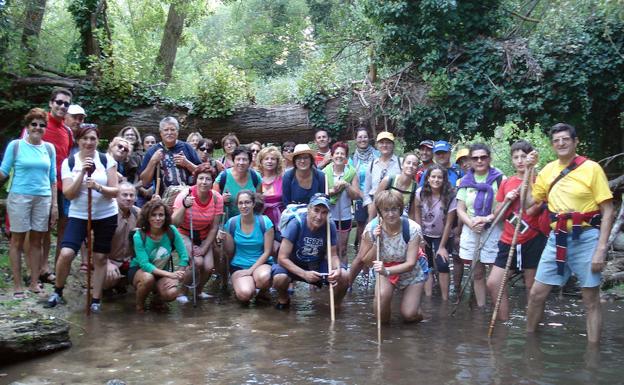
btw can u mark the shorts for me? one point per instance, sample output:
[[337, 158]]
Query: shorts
[[432, 245], [131, 273], [344, 225], [361, 212], [578, 260], [530, 253], [29, 212], [103, 231], [489, 250], [234, 268]]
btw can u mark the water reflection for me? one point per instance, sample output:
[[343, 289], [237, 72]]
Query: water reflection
[[220, 342]]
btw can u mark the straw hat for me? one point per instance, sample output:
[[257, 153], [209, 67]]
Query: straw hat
[[301, 149]]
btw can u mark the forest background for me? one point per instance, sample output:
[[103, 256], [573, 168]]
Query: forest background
[[455, 69]]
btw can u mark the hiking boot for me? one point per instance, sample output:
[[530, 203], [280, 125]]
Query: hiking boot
[[54, 300], [182, 299], [96, 307]]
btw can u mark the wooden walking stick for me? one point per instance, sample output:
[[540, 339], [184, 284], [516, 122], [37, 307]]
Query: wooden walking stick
[[157, 191], [477, 252], [332, 309], [378, 287], [89, 242], [194, 284], [512, 247]]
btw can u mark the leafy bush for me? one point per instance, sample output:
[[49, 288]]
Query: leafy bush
[[221, 88]]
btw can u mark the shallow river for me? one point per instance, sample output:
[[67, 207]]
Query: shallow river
[[220, 342]]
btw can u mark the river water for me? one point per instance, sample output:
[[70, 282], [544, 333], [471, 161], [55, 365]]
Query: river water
[[221, 342]]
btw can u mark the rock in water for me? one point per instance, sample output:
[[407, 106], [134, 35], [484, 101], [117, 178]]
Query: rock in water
[[26, 335]]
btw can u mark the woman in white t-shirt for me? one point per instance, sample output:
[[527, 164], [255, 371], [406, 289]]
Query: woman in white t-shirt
[[87, 169]]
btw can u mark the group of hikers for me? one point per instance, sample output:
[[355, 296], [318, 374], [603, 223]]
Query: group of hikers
[[267, 216]]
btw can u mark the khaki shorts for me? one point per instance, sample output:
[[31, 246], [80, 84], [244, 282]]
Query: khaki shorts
[[489, 250], [29, 212]]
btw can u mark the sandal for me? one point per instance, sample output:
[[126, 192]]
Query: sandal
[[47, 277], [19, 295]]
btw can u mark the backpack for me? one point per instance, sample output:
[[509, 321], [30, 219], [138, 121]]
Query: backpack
[[412, 192], [405, 230], [291, 211], [232, 225], [398, 159], [254, 179], [71, 161], [170, 234]]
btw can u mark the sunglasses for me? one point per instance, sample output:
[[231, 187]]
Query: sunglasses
[[203, 149], [40, 125], [255, 151], [123, 148], [481, 158], [61, 103]]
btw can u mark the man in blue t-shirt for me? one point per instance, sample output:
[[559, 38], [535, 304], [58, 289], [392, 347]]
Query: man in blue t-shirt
[[177, 159], [303, 253], [442, 156]]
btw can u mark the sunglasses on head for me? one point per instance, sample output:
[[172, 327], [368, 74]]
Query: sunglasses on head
[[123, 148], [60, 102], [481, 158], [35, 125]]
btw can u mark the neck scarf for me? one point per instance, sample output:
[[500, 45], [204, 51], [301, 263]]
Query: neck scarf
[[363, 156]]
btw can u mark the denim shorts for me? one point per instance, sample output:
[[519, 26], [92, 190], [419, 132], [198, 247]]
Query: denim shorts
[[361, 212], [578, 260]]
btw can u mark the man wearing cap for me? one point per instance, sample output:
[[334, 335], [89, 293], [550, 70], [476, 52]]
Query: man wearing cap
[[425, 150], [74, 117], [463, 160], [387, 164], [303, 253], [442, 156]]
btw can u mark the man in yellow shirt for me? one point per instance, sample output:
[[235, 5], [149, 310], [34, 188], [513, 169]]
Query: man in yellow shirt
[[581, 208]]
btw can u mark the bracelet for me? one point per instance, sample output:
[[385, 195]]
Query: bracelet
[[185, 206], [99, 188]]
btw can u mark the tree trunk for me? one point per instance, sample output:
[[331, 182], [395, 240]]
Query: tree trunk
[[163, 65], [33, 18]]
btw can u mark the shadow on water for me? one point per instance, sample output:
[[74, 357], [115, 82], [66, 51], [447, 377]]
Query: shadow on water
[[221, 342]]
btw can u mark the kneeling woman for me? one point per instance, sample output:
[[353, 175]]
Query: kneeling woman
[[249, 239], [151, 270], [397, 266]]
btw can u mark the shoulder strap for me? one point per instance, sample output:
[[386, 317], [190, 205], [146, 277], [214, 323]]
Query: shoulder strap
[[405, 229], [577, 161], [262, 224], [103, 159], [499, 180], [222, 180], [371, 166], [171, 238], [71, 162], [232, 226], [254, 178], [390, 182], [134, 211], [413, 193]]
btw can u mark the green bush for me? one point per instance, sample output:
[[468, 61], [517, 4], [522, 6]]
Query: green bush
[[221, 88]]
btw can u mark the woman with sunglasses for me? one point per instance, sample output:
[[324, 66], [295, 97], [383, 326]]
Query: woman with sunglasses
[[135, 154], [343, 183], [205, 149], [120, 150], [254, 148], [87, 169], [205, 207], [475, 206], [31, 203], [397, 266], [287, 148], [248, 238]]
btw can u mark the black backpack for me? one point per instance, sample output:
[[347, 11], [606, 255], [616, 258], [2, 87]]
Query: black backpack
[[71, 161]]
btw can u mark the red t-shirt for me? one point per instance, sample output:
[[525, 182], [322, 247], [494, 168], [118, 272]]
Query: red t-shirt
[[203, 214], [319, 157], [531, 222], [61, 138]]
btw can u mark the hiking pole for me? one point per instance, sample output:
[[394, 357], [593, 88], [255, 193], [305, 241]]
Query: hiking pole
[[194, 284], [225, 269], [514, 241], [378, 288], [339, 229], [89, 242], [157, 191], [477, 253], [329, 260]]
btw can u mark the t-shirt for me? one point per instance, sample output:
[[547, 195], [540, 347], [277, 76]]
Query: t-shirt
[[309, 247], [155, 254], [376, 173], [582, 190], [171, 174], [320, 156], [433, 214], [34, 168], [530, 226], [233, 188], [120, 244], [468, 194], [454, 173], [61, 137], [203, 213], [249, 247], [102, 207], [292, 192]]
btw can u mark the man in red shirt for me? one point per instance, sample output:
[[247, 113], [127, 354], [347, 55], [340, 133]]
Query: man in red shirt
[[62, 139]]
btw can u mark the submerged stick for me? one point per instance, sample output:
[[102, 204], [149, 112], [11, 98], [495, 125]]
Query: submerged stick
[[332, 309], [378, 288], [514, 241]]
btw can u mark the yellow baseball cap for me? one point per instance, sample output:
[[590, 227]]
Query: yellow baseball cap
[[385, 135], [461, 153]]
